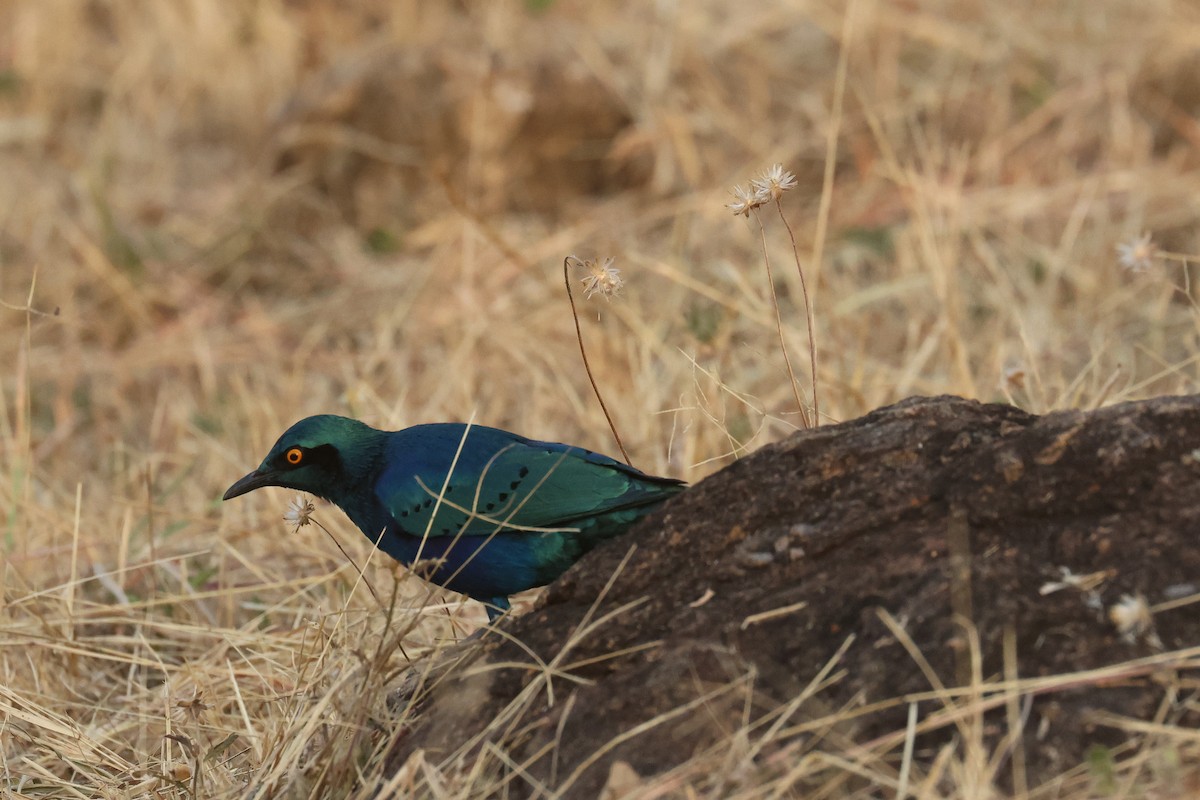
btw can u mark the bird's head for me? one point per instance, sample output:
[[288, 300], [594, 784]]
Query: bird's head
[[320, 455]]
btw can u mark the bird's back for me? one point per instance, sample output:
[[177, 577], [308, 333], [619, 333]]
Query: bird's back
[[505, 512], [497, 475]]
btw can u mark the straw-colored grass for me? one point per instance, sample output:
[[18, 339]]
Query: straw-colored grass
[[208, 230]]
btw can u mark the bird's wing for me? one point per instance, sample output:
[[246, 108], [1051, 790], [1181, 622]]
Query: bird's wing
[[448, 480]]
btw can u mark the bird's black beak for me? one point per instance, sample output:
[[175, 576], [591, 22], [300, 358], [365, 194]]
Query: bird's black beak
[[255, 480]]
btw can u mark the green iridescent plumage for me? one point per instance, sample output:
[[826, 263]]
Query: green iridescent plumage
[[493, 512]]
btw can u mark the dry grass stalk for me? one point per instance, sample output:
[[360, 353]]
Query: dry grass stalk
[[603, 278]]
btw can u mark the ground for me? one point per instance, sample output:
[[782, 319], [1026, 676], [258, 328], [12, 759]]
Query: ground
[[219, 217]]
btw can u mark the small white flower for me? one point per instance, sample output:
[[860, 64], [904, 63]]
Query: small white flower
[[299, 513], [1133, 618], [602, 278], [1137, 255], [773, 183], [745, 201]]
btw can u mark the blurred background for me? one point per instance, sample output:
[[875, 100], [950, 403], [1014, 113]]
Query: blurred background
[[219, 216]]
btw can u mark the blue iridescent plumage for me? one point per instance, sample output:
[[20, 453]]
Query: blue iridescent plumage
[[490, 513]]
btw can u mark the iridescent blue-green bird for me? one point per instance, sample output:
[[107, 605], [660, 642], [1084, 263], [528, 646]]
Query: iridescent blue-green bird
[[490, 512]]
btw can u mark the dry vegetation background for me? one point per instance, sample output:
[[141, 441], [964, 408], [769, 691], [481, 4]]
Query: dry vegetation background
[[218, 216]]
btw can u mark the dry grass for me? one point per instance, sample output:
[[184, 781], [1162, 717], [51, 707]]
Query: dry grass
[[209, 228]]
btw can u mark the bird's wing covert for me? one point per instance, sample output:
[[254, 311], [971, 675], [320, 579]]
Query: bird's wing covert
[[501, 481]]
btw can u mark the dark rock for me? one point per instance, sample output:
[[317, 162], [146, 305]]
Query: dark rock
[[948, 518]]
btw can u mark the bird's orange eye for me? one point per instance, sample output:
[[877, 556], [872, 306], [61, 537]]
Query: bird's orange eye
[[294, 456]]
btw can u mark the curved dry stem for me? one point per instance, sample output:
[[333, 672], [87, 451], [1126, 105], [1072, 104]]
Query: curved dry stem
[[588, 367], [762, 232], [808, 315]]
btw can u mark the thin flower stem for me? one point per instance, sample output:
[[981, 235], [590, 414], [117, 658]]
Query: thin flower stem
[[762, 231], [808, 315], [383, 650], [351, 560], [588, 367]]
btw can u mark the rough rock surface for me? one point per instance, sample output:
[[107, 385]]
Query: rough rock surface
[[953, 517]]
